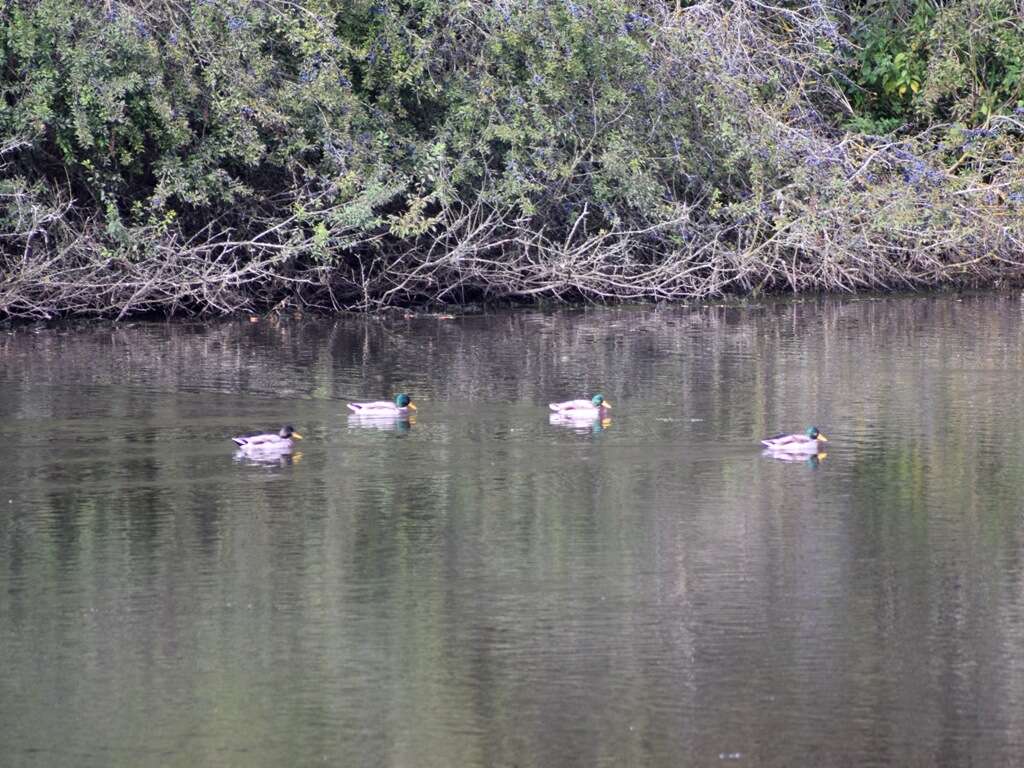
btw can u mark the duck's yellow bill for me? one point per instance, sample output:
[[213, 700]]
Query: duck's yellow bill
[[296, 435], [822, 438], [412, 406], [606, 404]]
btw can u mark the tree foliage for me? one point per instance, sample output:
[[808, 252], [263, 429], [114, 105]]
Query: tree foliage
[[219, 154]]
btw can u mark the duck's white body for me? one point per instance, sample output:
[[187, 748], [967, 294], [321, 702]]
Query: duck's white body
[[268, 443], [793, 444], [803, 458], [579, 409], [379, 409]]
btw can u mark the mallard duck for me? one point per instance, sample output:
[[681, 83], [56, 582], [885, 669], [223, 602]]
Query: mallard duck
[[594, 408], [282, 442], [384, 409], [796, 443]]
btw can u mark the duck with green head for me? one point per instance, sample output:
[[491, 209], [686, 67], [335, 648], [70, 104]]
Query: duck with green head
[[399, 407], [808, 442], [594, 408]]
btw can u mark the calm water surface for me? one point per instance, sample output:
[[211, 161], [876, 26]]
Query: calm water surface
[[483, 588]]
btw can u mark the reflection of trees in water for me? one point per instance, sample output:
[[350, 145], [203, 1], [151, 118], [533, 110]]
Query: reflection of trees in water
[[505, 594]]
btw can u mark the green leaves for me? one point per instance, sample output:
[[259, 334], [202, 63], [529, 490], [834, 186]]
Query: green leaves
[[921, 62]]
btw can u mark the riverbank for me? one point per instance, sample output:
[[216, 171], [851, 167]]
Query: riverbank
[[229, 157]]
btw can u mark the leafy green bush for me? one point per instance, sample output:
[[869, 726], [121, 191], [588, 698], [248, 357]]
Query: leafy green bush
[[218, 154], [922, 61]]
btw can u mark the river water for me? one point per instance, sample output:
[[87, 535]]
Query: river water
[[484, 588]]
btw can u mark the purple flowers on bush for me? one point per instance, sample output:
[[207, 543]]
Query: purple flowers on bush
[[979, 133], [635, 21]]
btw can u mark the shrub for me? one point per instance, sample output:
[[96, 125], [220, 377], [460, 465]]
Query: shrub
[[226, 154]]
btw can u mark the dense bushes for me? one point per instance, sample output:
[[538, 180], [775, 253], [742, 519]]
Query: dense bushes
[[220, 154]]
